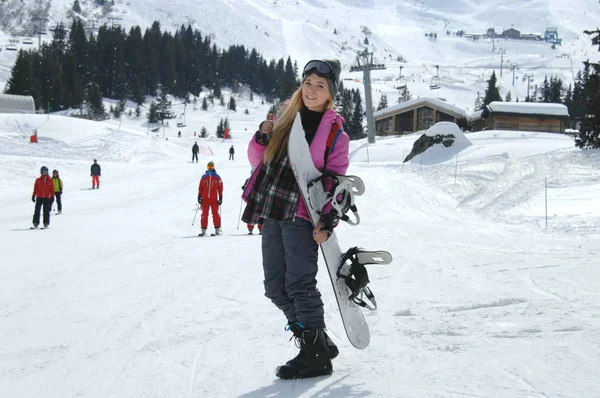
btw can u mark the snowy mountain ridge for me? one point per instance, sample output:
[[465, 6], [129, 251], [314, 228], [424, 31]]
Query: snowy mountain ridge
[[319, 29]]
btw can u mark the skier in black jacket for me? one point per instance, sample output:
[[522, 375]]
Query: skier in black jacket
[[195, 150], [95, 172]]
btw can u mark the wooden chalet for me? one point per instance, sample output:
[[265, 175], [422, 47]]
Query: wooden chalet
[[416, 115], [522, 116]]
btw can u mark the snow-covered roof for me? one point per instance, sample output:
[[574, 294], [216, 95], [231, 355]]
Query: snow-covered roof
[[10, 103], [529, 108], [398, 108], [475, 115]]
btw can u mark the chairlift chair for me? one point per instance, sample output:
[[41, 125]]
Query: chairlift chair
[[181, 120], [400, 84]]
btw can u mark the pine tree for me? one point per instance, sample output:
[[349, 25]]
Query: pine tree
[[232, 104], [383, 103], [22, 75], [589, 136], [94, 102], [152, 115], [492, 93], [272, 110], [544, 91], [76, 7], [222, 100], [204, 104], [508, 97], [203, 132], [347, 106], [405, 95], [217, 88], [163, 107], [220, 129], [356, 130]]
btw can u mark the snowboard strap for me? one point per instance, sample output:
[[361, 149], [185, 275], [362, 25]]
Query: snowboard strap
[[355, 275], [341, 195]]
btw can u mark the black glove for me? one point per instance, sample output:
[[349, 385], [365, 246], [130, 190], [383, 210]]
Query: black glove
[[262, 138], [220, 202], [199, 199], [33, 198], [329, 222]]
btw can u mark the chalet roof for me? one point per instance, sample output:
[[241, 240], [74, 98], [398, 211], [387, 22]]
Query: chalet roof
[[529, 108], [10, 103], [475, 115], [417, 102]]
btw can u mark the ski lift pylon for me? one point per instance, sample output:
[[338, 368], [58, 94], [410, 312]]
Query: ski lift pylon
[[435, 81]]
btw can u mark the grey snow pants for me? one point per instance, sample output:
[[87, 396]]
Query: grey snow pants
[[290, 257]]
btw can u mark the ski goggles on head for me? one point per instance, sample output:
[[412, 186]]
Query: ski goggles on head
[[320, 67]]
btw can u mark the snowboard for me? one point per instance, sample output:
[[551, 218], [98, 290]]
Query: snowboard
[[305, 172]]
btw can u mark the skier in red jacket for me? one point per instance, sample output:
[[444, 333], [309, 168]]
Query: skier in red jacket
[[43, 191], [210, 196]]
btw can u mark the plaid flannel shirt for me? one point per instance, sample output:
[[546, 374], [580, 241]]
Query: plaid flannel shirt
[[275, 195]]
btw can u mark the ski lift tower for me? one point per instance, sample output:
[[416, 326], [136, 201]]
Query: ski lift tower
[[364, 62], [41, 22]]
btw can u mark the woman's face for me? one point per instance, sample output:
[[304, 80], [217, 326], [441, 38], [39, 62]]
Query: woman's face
[[315, 93]]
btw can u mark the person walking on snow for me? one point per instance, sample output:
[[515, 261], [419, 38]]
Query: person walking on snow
[[95, 172], [195, 150], [43, 196], [289, 241], [210, 197], [58, 190], [231, 153]]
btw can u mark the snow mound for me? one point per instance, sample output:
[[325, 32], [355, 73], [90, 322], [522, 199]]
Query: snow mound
[[440, 143]]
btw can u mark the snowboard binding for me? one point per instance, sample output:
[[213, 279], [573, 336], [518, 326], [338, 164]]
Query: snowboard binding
[[353, 271], [340, 193]]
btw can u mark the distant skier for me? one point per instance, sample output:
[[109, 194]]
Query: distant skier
[[210, 197], [195, 150], [95, 172], [290, 243], [58, 190], [231, 153], [43, 196]]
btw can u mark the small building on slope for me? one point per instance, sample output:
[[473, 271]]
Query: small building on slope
[[416, 114], [523, 116]]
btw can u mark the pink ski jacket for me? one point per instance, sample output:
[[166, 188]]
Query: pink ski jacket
[[337, 161]]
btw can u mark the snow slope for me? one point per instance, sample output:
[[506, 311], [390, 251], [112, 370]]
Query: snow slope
[[119, 298]]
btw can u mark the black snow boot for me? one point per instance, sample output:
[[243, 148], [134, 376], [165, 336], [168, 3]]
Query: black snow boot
[[297, 329], [313, 359]]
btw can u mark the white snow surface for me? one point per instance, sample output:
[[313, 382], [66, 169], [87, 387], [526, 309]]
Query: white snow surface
[[119, 298], [530, 108]]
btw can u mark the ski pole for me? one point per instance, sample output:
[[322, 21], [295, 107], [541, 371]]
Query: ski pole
[[240, 215], [195, 214]]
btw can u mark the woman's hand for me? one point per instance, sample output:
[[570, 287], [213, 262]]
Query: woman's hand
[[267, 127], [318, 235]]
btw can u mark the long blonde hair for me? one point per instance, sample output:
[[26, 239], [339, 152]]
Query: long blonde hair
[[280, 136]]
